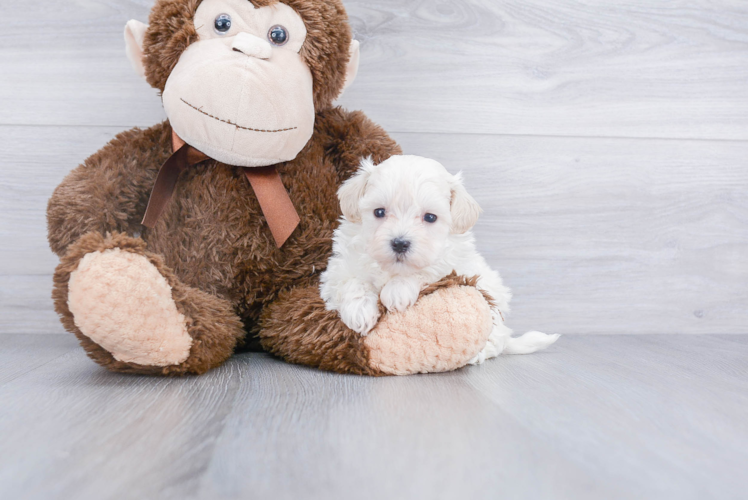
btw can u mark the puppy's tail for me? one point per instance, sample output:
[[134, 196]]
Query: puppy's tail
[[529, 342]]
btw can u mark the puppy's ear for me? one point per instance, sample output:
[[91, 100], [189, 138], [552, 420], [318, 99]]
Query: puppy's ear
[[463, 208], [353, 190]]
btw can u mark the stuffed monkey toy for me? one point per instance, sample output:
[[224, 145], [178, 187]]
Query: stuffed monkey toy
[[206, 233]]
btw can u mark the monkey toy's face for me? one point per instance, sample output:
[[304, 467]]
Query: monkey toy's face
[[241, 92]]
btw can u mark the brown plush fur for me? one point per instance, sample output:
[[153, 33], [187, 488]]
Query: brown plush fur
[[212, 243], [300, 330], [453, 279], [325, 51]]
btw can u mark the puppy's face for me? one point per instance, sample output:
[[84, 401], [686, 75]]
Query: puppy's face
[[407, 206]]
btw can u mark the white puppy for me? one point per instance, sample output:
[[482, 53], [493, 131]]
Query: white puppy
[[406, 223]]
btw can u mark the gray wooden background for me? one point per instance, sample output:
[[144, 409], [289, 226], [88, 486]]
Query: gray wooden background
[[606, 141]]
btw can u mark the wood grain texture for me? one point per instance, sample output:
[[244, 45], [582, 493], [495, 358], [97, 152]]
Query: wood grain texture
[[17, 353], [634, 69], [65, 64], [592, 417], [624, 68]]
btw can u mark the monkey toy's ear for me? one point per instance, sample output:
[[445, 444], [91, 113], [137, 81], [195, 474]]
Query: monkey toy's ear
[[134, 34], [352, 69]]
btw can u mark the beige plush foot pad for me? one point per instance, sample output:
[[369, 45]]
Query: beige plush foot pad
[[120, 301], [441, 332]]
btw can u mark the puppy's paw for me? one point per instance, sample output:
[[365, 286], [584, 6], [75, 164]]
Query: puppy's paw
[[397, 295], [360, 314]]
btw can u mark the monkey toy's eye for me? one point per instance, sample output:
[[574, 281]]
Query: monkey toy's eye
[[222, 24], [379, 213], [430, 218], [278, 35]]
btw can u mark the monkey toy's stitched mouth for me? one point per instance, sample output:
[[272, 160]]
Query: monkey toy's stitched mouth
[[229, 122]]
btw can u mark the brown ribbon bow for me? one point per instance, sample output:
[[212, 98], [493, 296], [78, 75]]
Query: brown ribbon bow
[[274, 201]]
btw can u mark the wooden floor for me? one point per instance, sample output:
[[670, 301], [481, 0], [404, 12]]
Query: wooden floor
[[637, 417], [608, 145]]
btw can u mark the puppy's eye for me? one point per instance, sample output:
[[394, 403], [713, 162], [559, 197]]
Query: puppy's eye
[[222, 24], [379, 213], [431, 218], [278, 35]]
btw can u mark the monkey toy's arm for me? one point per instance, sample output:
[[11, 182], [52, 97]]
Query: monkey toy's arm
[[448, 325], [109, 191]]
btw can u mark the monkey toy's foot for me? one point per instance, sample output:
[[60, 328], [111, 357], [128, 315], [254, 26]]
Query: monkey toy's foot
[[121, 302], [444, 330], [132, 314]]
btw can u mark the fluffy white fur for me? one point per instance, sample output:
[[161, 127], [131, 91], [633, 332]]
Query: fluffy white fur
[[365, 267]]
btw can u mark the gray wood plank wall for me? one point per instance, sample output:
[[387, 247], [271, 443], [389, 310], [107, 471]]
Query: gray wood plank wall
[[606, 141]]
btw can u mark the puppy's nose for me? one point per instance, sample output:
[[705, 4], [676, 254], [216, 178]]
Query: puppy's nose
[[400, 245], [252, 46]]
